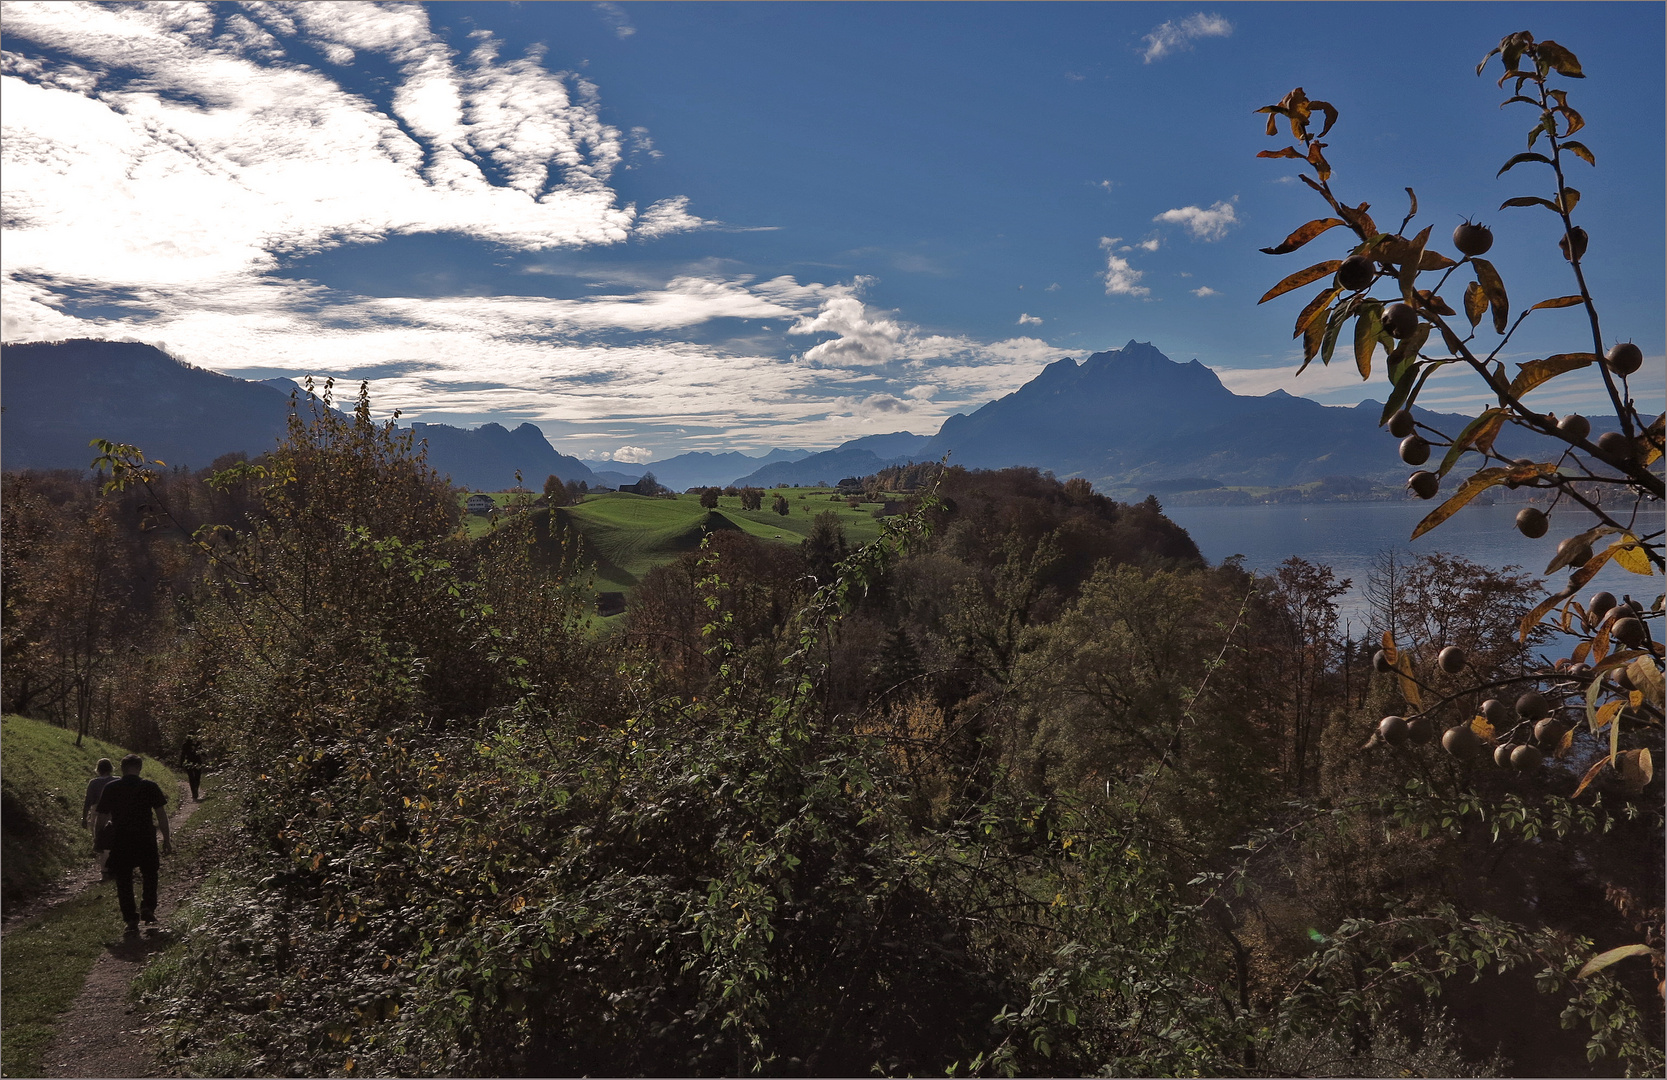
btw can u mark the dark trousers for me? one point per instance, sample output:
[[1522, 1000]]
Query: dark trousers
[[194, 777], [123, 861]]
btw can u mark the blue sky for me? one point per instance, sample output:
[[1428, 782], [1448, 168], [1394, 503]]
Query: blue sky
[[651, 228]]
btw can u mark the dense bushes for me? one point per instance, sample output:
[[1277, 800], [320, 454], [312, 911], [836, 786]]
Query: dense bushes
[[1024, 788]]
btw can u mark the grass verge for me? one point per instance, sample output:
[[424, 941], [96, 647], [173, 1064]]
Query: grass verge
[[42, 789], [44, 964]]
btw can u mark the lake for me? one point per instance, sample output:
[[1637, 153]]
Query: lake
[[1346, 537]]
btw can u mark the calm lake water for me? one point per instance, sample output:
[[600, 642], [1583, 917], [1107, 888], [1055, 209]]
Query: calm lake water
[[1346, 537]]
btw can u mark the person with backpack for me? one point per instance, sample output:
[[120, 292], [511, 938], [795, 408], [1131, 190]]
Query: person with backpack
[[125, 808], [192, 760]]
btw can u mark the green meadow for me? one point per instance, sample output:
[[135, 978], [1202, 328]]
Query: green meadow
[[628, 535]]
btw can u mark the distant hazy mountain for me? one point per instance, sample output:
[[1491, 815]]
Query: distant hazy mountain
[[1130, 416], [59, 395], [486, 458], [698, 468]]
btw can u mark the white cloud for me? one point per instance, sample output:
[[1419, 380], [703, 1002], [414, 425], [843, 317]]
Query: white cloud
[[163, 161], [1029, 320], [1211, 224], [1121, 278], [1204, 290], [1150, 244], [634, 455], [1054, 287], [1175, 36], [156, 152], [615, 16]]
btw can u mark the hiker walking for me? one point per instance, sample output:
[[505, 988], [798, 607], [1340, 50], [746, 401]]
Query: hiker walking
[[191, 759], [127, 804], [95, 788]]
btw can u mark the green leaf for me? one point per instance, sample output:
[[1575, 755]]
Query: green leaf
[[1403, 388], [1579, 150], [1405, 354], [1304, 234], [1491, 284], [1535, 372], [1491, 419], [1302, 277], [1328, 345], [1366, 330], [1519, 159]]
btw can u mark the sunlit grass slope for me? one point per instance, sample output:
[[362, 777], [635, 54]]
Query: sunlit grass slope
[[43, 784]]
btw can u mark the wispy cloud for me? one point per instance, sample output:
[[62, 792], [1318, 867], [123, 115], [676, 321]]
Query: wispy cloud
[[1203, 224], [1175, 36], [1121, 278], [615, 16], [1027, 319]]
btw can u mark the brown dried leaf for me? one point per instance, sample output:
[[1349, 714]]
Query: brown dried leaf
[[1475, 302], [1302, 277], [1304, 234], [1473, 486], [1635, 769], [1591, 775]]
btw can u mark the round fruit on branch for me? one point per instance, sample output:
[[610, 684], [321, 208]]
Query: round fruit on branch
[[1472, 239], [1451, 659], [1532, 522], [1575, 426], [1356, 273], [1400, 320], [1624, 358], [1424, 484], [1414, 450]]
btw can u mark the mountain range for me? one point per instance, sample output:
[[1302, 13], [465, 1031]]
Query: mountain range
[[1130, 418]]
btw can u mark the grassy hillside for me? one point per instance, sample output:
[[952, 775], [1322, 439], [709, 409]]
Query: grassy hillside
[[628, 535], [44, 782]]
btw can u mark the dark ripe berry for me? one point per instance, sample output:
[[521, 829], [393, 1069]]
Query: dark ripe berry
[[1625, 358], [1578, 237], [1401, 424], [1461, 742], [1393, 730], [1473, 239], [1531, 522], [1628, 631], [1575, 426], [1502, 756], [1533, 706], [1424, 484], [1574, 551], [1355, 273], [1527, 758], [1380, 662], [1451, 659], [1615, 446], [1496, 712], [1420, 730], [1601, 604], [1400, 320], [1414, 450], [1549, 732]]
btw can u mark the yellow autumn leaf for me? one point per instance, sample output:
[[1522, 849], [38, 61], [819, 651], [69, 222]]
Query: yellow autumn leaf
[[1480, 725], [1629, 554], [1607, 714]]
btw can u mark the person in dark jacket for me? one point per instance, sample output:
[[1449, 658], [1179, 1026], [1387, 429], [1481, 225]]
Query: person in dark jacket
[[128, 804], [191, 759]]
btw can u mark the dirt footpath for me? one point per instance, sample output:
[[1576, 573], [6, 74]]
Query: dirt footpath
[[103, 1034]]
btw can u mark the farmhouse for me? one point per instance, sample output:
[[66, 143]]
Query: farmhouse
[[480, 504]]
